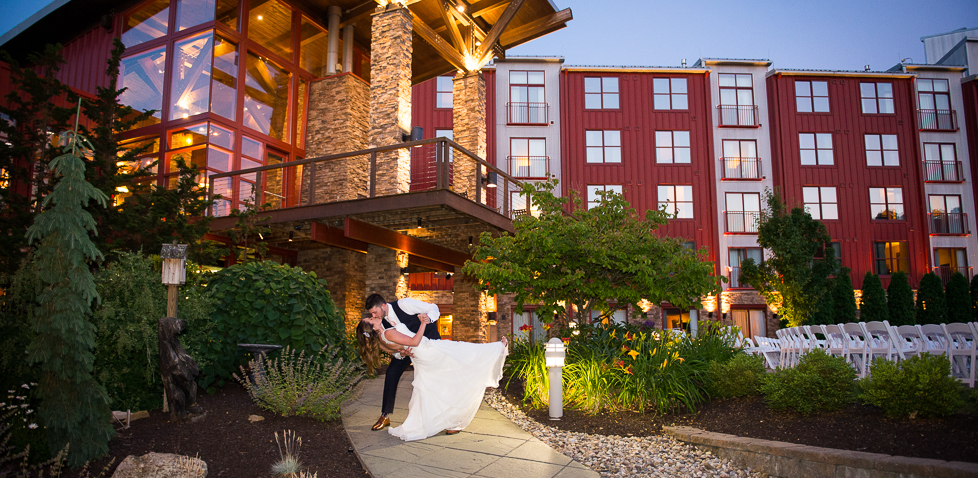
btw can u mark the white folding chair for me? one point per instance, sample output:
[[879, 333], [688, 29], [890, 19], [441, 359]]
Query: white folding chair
[[856, 350], [810, 332], [770, 349], [835, 340], [933, 339], [784, 345], [906, 341], [879, 345], [961, 351], [790, 347]]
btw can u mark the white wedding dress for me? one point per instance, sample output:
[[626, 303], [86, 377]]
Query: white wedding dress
[[450, 380]]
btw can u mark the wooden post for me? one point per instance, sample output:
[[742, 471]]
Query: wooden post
[[171, 300]]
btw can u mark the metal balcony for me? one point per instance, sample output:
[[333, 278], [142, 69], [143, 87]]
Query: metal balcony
[[937, 120], [741, 168], [741, 222], [739, 116], [943, 172], [950, 223], [527, 113], [945, 272], [529, 166]]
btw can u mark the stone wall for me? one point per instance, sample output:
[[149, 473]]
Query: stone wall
[[344, 272], [390, 96], [470, 321], [382, 272], [469, 128]]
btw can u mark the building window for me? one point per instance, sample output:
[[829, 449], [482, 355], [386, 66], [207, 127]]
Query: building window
[[594, 190], [603, 146], [191, 76], [601, 93], [737, 256], [191, 13], [816, 149], [882, 150], [941, 163], [677, 200], [528, 157], [740, 159], [821, 202], [669, 94], [151, 21], [750, 321], [449, 135], [270, 25], [876, 98], [672, 147], [737, 100], [946, 216], [836, 247], [527, 103], [886, 203], [934, 101], [948, 260], [266, 100], [142, 76], [890, 257], [675, 319], [812, 96], [443, 92], [743, 212]]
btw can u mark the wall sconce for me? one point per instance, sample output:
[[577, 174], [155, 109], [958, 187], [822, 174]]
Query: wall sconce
[[404, 271], [416, 134], [419, 223], [554, 356], [490, 179], [491, 318], [448, 276], [490, 302], [291, 233], [470, 240]]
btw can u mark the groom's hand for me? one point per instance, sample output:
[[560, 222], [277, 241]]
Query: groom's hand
[[406, 352], [424, 318]]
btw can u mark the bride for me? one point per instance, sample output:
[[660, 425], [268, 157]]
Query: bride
[[450, 378]]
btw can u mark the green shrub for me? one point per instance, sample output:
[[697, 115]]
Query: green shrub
[[526, 363], [737, 377], [294, 385], [958, 299], [873, 300], [920, 386], [974, 298], [268, 303], [899, 300], [931, 302], [17, 305], [820, 382], [843, 298]]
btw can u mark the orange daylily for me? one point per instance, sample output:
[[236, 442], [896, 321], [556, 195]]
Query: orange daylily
[[633, 354]]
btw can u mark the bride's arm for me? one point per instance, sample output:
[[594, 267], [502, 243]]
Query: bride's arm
[[399, 338]]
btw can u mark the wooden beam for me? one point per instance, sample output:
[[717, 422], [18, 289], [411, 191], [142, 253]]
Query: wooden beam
[[497, 29], [484, 7], [335, 237], [451, 26], [384, 237], [441, 46], [536, 28], [430, 264], [357, 13]]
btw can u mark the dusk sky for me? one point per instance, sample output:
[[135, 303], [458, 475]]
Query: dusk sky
[[832, 34]]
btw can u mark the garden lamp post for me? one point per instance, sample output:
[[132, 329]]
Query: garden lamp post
[[554, 355]]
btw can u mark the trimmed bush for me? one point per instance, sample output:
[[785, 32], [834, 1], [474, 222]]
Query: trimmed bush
[[974, 298], [958, 299], [819, 383], [737, 377], [920, 386], [899, 300], [843, 298], [931, 303], [874, 300]]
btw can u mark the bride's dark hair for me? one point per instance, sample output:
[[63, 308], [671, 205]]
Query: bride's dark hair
[[368, 344]]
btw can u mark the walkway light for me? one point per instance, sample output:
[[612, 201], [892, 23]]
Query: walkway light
[[555, 353]]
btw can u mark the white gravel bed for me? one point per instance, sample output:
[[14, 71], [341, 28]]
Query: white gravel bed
[[615, 456]]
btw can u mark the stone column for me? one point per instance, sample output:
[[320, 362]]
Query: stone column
[[345, 273], [390, 96], [337, 123], [382, 272], [469, 128], [470, 322]]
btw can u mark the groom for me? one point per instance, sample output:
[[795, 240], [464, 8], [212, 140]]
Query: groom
[[410, 312]]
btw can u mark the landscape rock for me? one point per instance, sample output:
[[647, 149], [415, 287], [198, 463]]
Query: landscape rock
[[161, 465], [255, 418]]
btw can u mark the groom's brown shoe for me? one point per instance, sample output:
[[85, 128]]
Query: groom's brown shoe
[[452, 432], [382, 422]]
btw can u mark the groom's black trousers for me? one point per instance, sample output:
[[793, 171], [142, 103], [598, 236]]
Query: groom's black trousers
[[393, 376]]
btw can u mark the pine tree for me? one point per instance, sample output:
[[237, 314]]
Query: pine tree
[[899, 300], [843, 298], [931, 303], [974, 298], [824, 312], [958, 299], [874, 300], [74, 406]]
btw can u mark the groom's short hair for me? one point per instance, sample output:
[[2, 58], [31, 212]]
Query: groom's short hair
[[374, 300]]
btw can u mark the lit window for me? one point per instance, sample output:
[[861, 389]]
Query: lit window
[[443, 92], [313, 47], [528, 157], [603, 146], [527, 103], [821, 202], [594, 190], [270, 25], [670, 94], [740, 159], [266, 102], [890, 257], [190, 79], [743, 212], [816, 149], [151, 21], [812, 96], [601, 93], [677, 200], [142, 76], [672, 147], [886, 203], [876, 98], [224, 84]]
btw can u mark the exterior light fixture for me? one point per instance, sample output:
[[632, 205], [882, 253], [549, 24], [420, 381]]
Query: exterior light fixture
[[554, 355], [416, 134], [491, 302], [290, 235], [404, 271], [490, 179], [419, 223], [460, 7]]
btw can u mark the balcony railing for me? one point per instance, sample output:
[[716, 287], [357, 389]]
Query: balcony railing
[[945, 272], [741, 168], [744, 222], [527, 113], [529, 166], [743, 116], [943, 172], [733, 279], [938, 120], [311, 181], [952, 223]]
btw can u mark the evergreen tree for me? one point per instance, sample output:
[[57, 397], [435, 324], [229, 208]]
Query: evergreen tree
[[899, 300], [824, 312], [974, 298], [74, 406], [958, 299], [843, 298], [931, 303], [874, 300]]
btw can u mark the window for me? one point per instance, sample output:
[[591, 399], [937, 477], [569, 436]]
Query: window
[[314, 48], [816, 149], [947, 261], [677, 200], [270, 24], [672, 147], [527, 103], [876, 98], [194, 12], [821, 202], [443, 92], [737, 100], [619, 316], [750, 321], [886, 203], [528, 157], [743, 212], [149, 22], [812, 96], [191, 76], [737, 257], [601, 93], [676, 319], [447, 134], [941, 163], [527, 326], [946, 216], [934, 102], [669, 94], [266, 100], [593, 192], [881, 150], [142, 76], [740, 159], [836, 247], [603, 146], [890, 257]]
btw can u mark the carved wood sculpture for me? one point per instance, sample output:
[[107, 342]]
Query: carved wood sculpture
[[178, 370]]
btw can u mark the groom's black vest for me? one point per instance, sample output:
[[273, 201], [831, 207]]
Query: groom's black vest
[[412, 322]]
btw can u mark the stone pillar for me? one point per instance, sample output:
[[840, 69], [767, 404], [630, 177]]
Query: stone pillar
[[382, 272], [469, 128], [470, 322], [390, 96], [337, 123], [345, 274]]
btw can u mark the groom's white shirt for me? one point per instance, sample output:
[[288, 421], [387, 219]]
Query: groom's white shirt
[[412, 307]]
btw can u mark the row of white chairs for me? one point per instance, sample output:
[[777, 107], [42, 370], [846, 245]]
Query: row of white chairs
[[860, 343]]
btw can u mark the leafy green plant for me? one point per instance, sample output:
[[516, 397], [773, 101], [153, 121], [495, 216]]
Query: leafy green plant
[[291, 384], [899, 300], [267, 303], [740, 376], [526, 362], [958, 299], [17, 306], [920, 386], [931, 302], [820, 382], [873, 300]]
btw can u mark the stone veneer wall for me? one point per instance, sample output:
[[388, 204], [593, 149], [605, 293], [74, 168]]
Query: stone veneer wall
[[469, 128], [470, 321], [390, 96], [382, 272], [344, 272]]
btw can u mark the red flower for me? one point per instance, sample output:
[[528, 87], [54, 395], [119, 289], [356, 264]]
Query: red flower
[[525, 327], [629, 370], [565, 339], [620, 363], [624, 348]]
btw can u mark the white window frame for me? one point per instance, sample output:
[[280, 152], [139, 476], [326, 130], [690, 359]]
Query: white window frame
[[882, 150], [606, 142], [672, 147], [815, 149], [822, 202]]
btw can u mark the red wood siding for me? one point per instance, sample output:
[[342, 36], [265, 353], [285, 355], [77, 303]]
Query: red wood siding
[[850, 175], [85, 60], [969, 91]]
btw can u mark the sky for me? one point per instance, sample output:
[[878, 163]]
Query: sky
[[828, 34]]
